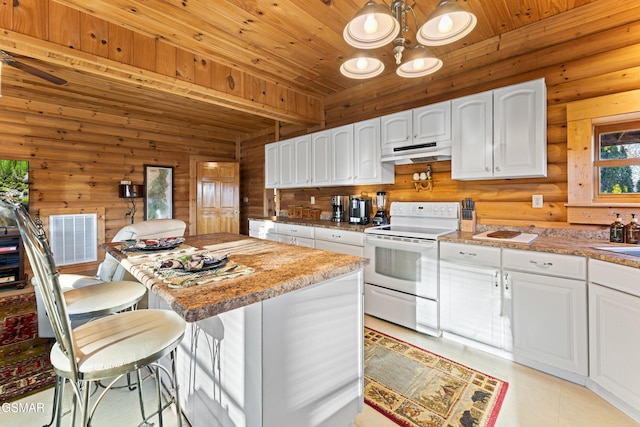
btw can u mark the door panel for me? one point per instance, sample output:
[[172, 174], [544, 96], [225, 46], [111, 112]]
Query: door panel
[[218, 200]]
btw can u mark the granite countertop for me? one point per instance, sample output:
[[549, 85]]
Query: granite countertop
[[279, 269], [324, 223], [568, 242], [552, 244]]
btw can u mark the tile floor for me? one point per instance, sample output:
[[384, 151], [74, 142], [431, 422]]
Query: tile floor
[[534, 399]]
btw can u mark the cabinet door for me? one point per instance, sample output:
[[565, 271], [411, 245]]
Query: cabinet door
[[549, 320], [432, 123], [321, 159], [614, 350], [520, 130], [287, 165], [302, 161], [471, 302], [472, 134], [396, 130], [342, 172], [271, 173], [368, 169]]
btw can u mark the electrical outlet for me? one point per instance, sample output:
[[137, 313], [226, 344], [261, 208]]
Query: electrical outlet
[[536, 201], [313, 200]]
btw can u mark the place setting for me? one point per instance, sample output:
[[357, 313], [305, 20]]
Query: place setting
[[189, 269]]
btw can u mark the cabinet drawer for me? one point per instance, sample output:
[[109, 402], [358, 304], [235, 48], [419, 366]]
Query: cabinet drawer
[[615, 276], [295, 230], [340, 236], [545, 263], [470, 254]]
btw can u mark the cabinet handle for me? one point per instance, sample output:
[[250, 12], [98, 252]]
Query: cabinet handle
[[541, 264], [496, 278], [408, 136], [506, 281], [467, 253], [486, 169], [497, 168]]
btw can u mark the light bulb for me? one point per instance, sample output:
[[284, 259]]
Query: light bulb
[[370, 24], [418, 64], [446, 24], [362, 63]]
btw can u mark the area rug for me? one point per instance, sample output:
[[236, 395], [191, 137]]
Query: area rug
[[25, 367], [417, 388]]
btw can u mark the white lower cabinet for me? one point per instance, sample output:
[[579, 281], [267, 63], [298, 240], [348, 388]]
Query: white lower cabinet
[[299, 235], [472, 297], [530, 304], [262, 229], [340, 241], [549, 311], [614, 347]]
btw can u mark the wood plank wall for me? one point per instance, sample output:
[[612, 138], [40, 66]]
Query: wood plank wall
[[77, 158], [575, 67]]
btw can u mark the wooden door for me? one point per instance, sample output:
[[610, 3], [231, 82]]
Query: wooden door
[[218, 197]]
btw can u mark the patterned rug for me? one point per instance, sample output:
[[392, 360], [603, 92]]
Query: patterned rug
[[25, 367], [414, 387]]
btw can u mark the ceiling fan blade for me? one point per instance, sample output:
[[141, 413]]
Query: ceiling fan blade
[[36, 72]]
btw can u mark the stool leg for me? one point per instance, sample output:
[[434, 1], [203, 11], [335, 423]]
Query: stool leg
[[159, 397], [54, 407], [176, 387], [144, 417]]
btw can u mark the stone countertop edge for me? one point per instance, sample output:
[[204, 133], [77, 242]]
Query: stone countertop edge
[[279, 269], [551, 244]]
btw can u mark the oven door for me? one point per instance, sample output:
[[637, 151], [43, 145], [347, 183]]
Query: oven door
[[403, 264]]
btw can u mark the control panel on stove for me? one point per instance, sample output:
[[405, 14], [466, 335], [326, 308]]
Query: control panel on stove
[[425, 209]]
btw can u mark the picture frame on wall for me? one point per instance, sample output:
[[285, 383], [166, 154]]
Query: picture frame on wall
[[158, 191]]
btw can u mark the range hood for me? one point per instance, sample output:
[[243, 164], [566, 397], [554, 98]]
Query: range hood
[[418, 153]]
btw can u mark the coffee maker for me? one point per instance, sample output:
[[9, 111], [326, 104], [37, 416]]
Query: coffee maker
[[339, 208], [381, 217], [359, 210]]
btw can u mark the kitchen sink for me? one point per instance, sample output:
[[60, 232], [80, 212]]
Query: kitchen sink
[[624, 250]]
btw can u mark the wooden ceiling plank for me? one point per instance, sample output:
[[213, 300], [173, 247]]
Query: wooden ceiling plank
[[156, 19], [24, 45]]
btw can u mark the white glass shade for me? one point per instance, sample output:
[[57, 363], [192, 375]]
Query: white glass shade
[[418, 62], [372, 27], [362, 65], [447, 23]]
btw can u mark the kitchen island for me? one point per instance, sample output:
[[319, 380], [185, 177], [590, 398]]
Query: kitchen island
[[280, 346]]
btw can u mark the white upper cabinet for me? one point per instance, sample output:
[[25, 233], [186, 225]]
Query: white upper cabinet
[[501, 133], [321, 158], [472, 146], [367, 168], [271, 173], [302, 161], [287, 165], [342, 170], [396, 129], [520, 130], [432, 123]]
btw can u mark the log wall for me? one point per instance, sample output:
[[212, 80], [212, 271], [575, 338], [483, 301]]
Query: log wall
[[77, 158]]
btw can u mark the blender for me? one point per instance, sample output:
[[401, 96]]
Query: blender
[[381, 218]]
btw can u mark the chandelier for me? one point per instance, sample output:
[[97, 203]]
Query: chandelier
[[376, 25]]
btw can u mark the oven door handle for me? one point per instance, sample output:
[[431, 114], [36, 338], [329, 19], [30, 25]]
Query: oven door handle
[[399, 242]]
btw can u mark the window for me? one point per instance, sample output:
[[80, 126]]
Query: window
[[617, 160]]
